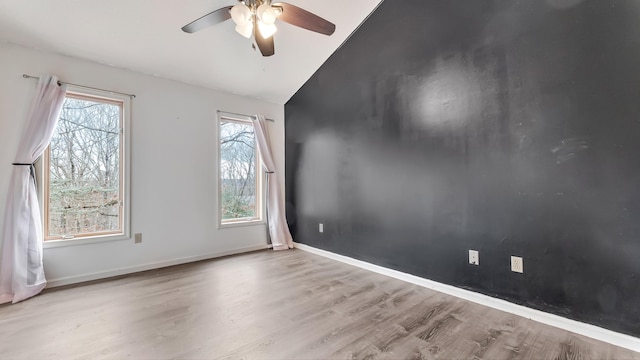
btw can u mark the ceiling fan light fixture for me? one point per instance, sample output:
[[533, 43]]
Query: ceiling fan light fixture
[[257, 18], [240, 14], [267, 14], [266, 30], [245, 29]]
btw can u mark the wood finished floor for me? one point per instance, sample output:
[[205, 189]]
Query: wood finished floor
[[274, 305]]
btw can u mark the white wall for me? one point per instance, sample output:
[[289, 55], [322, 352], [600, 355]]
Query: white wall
[[173, 165]]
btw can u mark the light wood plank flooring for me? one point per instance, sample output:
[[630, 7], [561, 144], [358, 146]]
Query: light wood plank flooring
[[274, 305]]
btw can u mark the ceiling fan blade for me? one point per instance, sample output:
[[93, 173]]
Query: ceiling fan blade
[[302, 18], [266, 46], [210, 19]]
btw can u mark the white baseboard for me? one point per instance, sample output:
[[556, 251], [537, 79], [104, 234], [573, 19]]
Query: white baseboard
[[592, 331], [149, 266]]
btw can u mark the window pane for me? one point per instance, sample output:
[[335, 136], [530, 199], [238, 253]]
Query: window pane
[[84, 169], [237, 171]]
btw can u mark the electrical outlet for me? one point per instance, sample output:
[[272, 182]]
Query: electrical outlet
[[517, 264], [474, 257], [137, 238], [321, 227]]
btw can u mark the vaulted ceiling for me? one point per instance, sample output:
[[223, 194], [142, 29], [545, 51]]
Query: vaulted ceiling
[[145, 36]]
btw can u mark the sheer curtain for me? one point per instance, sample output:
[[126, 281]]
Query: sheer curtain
[[278, 229], [21, 270]]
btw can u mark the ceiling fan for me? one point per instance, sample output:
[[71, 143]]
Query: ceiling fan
[[258, 17]]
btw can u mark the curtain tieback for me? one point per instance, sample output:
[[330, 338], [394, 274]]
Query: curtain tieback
[[32, 170]]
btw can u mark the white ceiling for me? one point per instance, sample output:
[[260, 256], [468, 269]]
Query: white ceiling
[[145, 36]]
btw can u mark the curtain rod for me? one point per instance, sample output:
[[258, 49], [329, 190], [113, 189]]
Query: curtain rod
[[82, 86], [232, 113]]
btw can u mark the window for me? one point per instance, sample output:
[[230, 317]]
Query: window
[[240, 175], [84, 188]]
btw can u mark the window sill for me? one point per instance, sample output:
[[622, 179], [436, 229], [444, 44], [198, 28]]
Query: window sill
[[84, 240], [241, 224]]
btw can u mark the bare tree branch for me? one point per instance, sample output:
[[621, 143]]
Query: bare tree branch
[[87, 127]]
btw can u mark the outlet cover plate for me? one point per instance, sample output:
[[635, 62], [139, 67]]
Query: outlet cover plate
[[474, 257], [517, 264], [321, 227]]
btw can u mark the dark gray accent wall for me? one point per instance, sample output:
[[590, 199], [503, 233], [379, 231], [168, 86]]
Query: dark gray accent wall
[[508, 127]]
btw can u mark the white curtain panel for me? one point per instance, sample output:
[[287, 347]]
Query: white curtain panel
[[278, 229], [21, 269]]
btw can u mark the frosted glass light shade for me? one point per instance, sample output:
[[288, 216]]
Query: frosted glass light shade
[[240, 14], [267, 14], [266, 30], [245, 29]]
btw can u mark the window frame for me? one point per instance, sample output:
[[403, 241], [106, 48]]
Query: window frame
[[260, 176], [124, 177]]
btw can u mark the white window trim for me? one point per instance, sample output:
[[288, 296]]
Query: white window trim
[[126, 177], [261, 186]]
